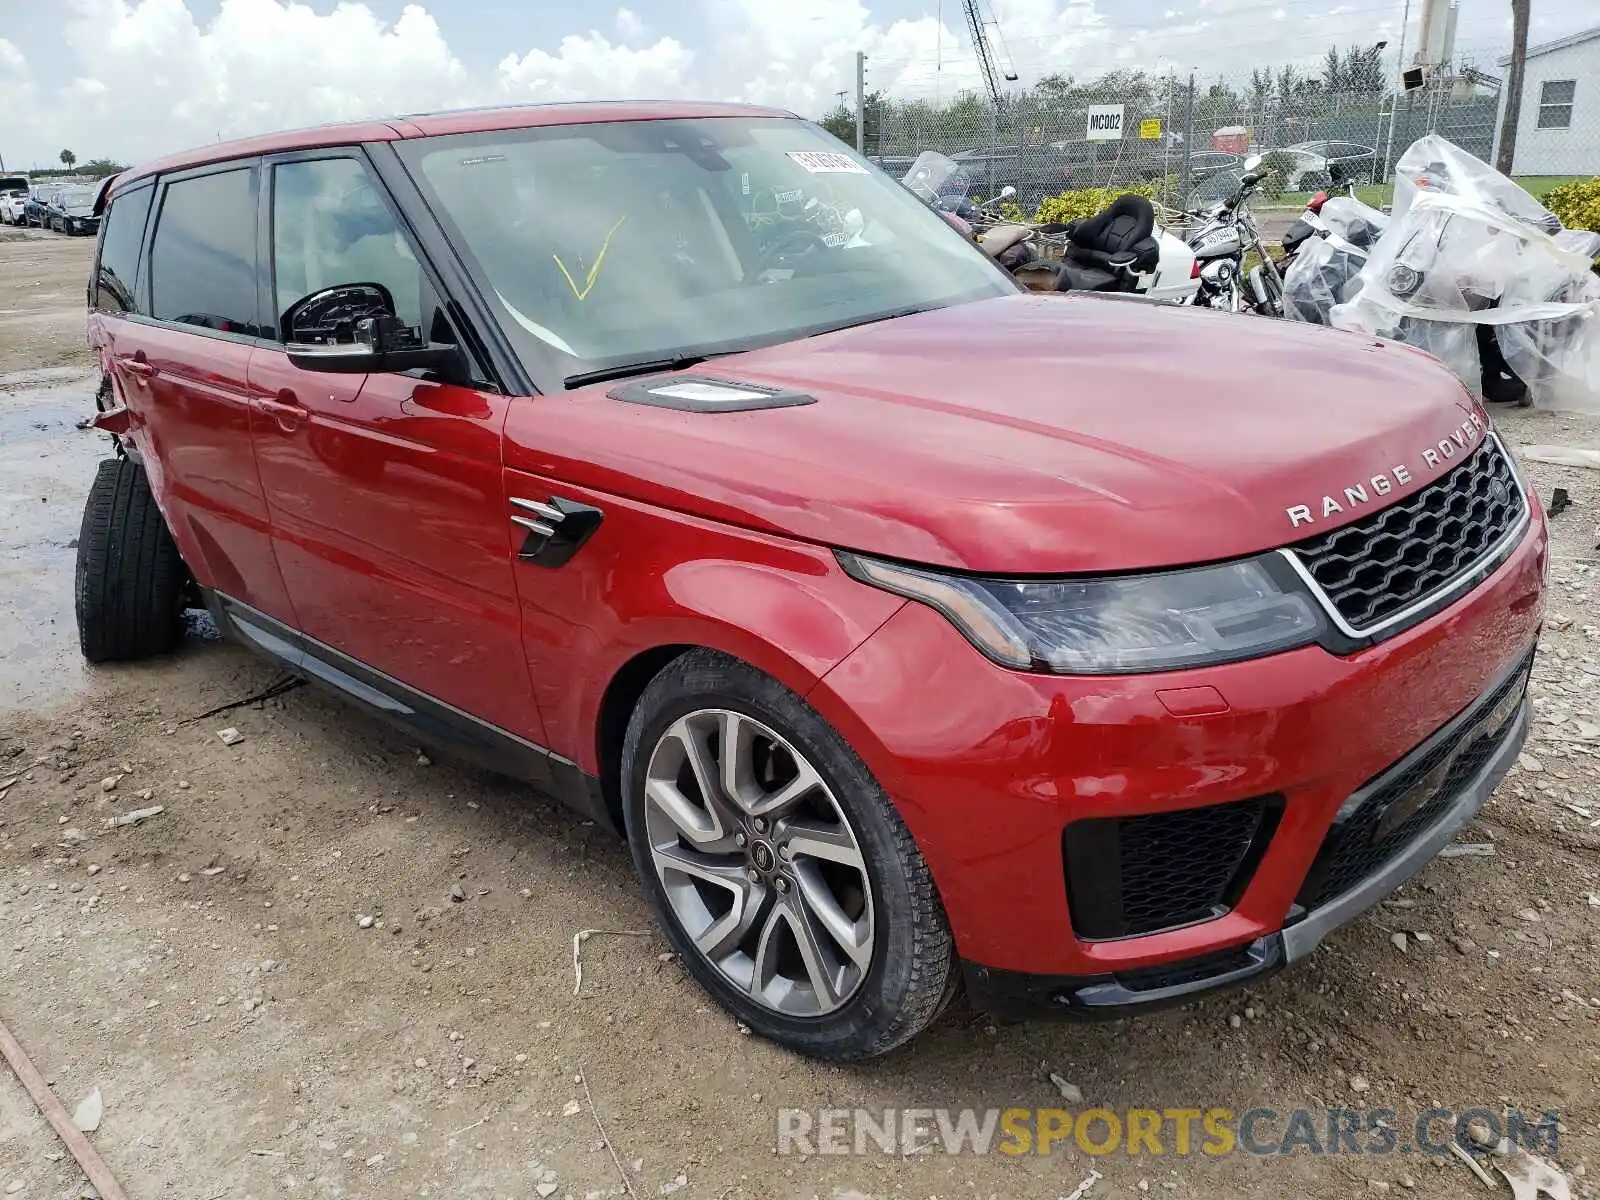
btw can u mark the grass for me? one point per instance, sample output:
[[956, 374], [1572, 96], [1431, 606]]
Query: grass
[[1380, 195]]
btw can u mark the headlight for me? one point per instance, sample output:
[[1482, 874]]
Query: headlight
[[1117, 625]]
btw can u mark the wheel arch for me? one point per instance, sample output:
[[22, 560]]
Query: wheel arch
[[617, 703], [796, 655]]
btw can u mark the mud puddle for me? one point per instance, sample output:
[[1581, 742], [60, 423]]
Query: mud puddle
[[46, 465]]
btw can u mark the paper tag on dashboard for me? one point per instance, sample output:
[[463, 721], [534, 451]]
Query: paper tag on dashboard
[[819, 162]]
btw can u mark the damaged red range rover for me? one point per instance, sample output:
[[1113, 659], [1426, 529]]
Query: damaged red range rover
[[917, 633]]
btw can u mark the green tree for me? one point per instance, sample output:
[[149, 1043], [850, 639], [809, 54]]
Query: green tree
[[68, 158], [1333, 71], [1053, 93], [1260, 89], [99, 168], [840, 120], [1361, 69]]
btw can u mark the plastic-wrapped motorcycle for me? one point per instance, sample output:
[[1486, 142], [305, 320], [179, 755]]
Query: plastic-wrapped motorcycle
[[1331, 243], [1479, 274]]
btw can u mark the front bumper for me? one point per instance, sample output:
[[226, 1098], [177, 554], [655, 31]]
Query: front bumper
[[991, 769], [1017, 994]]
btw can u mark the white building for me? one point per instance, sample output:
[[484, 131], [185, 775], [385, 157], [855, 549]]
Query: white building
[[1558, 130]]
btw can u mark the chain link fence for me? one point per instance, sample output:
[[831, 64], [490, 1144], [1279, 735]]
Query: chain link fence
[[1175, 135]]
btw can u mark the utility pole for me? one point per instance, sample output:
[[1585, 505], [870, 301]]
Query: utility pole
[[1519, 56], [861, 102], [1188, 144], [1394, 100]]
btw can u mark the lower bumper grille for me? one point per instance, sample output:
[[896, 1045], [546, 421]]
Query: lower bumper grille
[[1384, 816], [1128, 876]]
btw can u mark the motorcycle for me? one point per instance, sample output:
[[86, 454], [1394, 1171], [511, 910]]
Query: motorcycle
[[1226, 235], [1324, 252], [1120, 249], [1475, 271]]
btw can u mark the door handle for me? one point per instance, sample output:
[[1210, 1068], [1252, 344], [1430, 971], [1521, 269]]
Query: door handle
[[288, 413], [138, 365]]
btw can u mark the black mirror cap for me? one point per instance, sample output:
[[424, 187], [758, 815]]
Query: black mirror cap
[[333, 314]]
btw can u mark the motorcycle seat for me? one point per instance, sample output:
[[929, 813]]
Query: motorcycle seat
[[1124, 229], [1076, 277]]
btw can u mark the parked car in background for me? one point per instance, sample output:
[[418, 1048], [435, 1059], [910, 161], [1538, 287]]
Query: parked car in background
[[1328, 164], [1205, 163], [71, 211], [13, 198], [37, 210]]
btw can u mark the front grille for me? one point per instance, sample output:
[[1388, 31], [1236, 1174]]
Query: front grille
[[1136, 875], [1385, 563], [1406, 799]]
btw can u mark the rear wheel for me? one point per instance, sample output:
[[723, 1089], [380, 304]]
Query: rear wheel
[[130, 579], [779, 868]]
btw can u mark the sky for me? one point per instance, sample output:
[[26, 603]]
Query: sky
[[132, 79]]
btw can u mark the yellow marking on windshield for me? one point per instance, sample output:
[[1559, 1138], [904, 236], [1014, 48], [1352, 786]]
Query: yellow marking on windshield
[[594, 271]]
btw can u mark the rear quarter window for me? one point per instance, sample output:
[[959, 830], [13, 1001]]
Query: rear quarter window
[[117, 268], [203, 255]]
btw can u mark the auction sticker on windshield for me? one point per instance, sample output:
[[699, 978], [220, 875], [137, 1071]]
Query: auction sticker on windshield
[[821, 161]]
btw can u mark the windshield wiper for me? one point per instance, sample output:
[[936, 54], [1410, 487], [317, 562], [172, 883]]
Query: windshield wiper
[[645, 366], [893, 314]]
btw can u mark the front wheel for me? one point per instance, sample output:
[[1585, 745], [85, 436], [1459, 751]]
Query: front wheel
[[778, 866]]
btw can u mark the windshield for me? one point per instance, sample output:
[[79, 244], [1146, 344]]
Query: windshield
[[616, 243], [76, 202]]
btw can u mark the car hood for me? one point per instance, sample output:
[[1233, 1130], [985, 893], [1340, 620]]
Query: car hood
[[1034, 434]]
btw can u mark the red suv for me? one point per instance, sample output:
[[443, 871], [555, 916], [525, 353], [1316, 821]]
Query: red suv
[[917, 632]]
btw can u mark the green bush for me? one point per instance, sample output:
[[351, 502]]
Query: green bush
[[1006, 210], [1276, 167], [1085, 202], [1576, 203]]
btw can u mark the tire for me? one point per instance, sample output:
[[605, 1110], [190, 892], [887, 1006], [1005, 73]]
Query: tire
[[131, 580], [907, 971]]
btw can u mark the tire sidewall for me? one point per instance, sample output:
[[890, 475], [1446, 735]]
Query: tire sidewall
[[716, 681]]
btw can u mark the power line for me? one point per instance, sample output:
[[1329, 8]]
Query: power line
[[1321, 39]]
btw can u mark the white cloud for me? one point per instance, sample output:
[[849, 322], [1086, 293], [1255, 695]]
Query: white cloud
[[154, 80], [629, 27], [11, 60], [591, 66], [148, 77]]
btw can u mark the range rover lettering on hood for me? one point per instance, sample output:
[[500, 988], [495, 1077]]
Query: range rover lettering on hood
[[1431, 460]]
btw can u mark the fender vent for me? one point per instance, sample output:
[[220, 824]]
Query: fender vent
[[707, 394]]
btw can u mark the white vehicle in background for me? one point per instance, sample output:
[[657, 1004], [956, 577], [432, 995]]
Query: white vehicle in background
[[13, 198]]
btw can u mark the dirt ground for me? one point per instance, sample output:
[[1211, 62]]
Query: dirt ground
[[213, 973]]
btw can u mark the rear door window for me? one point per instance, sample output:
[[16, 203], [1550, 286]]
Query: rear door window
[[203, 256], [121, 234]]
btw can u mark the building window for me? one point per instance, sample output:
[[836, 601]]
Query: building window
[[1555, 103]]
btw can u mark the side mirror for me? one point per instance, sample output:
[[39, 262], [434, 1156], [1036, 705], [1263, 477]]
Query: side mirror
[[352, 330], [1253, 163], [1007, 192]]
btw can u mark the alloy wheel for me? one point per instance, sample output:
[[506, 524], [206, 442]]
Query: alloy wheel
[[759, 863]]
